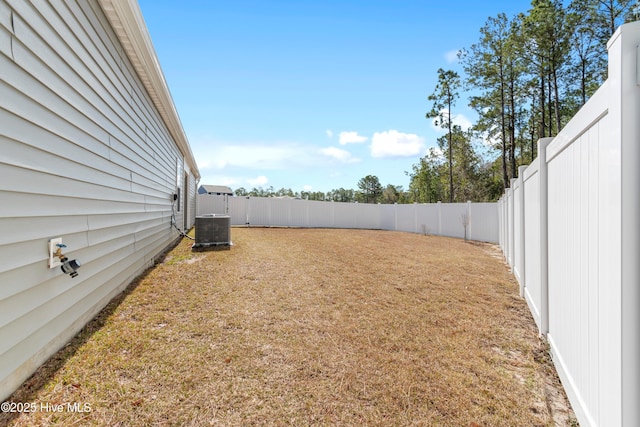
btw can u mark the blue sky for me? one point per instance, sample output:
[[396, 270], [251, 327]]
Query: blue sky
[[311, 95]]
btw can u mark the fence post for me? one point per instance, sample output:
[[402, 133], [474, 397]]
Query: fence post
[[439, 218], [499, 202], [333, 214], [624, 81], [505, 225], [544, 236], [522, 243], [468, 220], [511, 232], [269, 216], [248, 199], [395, 216]]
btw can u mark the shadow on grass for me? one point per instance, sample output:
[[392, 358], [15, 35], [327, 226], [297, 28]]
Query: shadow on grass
[[29, 389], [477, 242]]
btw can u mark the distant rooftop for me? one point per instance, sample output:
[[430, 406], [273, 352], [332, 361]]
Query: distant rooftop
[[215, 189]]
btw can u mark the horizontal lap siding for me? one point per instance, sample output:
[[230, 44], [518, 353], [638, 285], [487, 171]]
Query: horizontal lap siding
[[192, 201], [84, 156]]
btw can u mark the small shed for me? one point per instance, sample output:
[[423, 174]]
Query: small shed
[[215, 190]]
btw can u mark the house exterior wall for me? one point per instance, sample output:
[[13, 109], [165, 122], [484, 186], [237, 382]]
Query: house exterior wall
[[86, 155]]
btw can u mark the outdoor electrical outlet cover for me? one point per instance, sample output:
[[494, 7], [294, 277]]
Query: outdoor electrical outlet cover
[[54, 261]]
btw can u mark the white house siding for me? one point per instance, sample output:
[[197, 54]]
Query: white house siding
[[85, 155]]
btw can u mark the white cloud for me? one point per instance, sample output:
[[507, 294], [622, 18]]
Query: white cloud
[[351, 138], [208, 179], [436, 152], [307, 187], [329, 133], [462, 121], [258, 181], [339, 154], [491, 137], [451, 56], [275, 156], [396, 144], [458, 119]]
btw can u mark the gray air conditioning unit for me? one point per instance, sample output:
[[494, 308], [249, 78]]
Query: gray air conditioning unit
[[212, 232]]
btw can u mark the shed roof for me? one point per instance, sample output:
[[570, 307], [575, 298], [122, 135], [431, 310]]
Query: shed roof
[[128, 23], [223, 189]]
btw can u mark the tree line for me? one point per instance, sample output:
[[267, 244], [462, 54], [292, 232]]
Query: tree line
[[527, 75], [370, 190]]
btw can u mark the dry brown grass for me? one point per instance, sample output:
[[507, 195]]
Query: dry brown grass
[[309, 327]]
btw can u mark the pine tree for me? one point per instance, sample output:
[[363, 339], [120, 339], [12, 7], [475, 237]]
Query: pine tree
[[444, 98], [486, 66], [370, 189]]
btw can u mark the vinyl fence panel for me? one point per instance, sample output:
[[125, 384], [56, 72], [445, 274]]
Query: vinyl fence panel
[[406, 218], [576, 251], [345, 215], [453, 219], [212, 205], [321, 214], [437, 218], [484, 222], [388, 216], [578, 243], [429, 220], [299, 212], [238, 209], [484, 225], [368, 215]]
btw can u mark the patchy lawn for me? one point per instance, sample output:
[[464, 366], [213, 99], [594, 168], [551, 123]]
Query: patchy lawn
[[308, 327]]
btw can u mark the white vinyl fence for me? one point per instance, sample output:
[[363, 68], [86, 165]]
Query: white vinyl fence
[[569, 229], [444, 219]]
